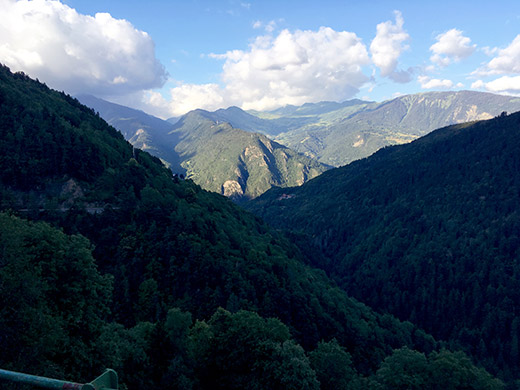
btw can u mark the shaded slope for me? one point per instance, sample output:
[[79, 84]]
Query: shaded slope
[[426, 231], [53, 303], [143, 131]]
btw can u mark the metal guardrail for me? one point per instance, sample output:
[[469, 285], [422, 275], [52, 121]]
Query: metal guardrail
[[106, 381]]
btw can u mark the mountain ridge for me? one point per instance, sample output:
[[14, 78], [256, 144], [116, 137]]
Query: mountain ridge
[[142, 130], [342, 140], [331, 132], [338, 133]]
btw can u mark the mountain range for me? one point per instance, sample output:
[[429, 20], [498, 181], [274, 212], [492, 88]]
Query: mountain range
[[122, 283], [143, 131], [236, 163], [212, 149], [217, 156], [339, 133]]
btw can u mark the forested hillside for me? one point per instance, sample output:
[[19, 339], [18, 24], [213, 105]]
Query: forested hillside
[[112, 262], [427, 231]]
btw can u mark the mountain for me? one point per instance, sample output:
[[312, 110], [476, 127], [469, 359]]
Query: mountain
[[217, 156], [236, 163], [320, 108], [338, 133], [110, 261], [399, 121], [427, 231], [241, 119]]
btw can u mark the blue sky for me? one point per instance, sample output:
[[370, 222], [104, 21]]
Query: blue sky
[[167, 57]]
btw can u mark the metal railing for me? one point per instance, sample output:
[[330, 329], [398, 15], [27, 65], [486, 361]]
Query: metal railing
[[106, 381]]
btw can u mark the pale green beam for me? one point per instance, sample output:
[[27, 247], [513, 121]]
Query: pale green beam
[[106, 381]]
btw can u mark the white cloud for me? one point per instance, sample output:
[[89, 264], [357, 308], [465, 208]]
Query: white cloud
[[451, 46], [387, 46], [429, 83], [291, 68], [268, 27], [77, 53], [479, 84], [187, 97], [507, 60], [504, 84], [490, 51], [294, 68]]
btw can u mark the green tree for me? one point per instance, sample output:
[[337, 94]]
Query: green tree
[[454, 371], [405, 369], [243, 350], [333, 365], [53, 301]]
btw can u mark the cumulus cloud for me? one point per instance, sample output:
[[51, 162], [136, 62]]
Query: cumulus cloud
[[77, 53], [290, 68], [506, 61], [451, 46], [387, 46], [295, 67], [504, 84], [429, 83]]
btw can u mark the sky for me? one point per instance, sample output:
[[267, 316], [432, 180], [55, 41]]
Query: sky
[[169, 57]]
